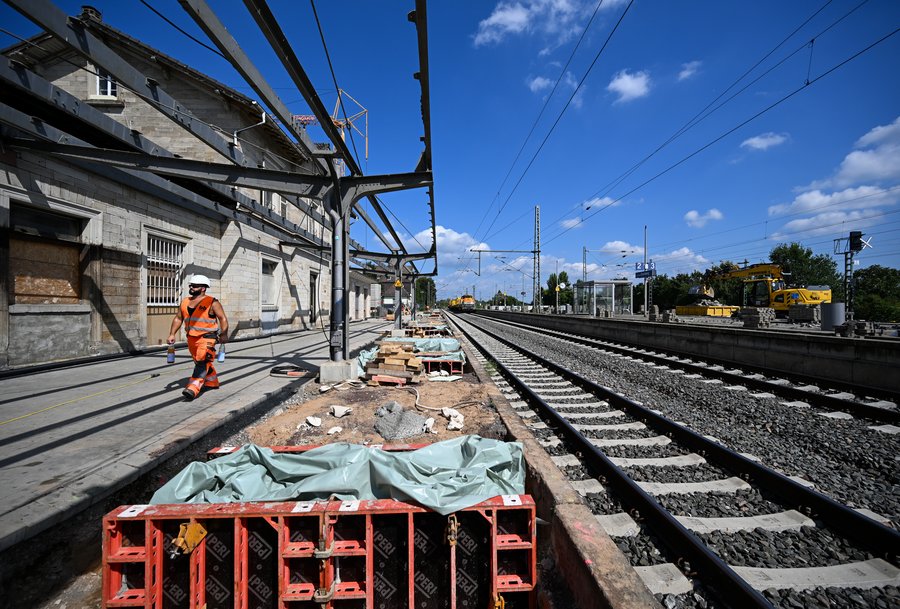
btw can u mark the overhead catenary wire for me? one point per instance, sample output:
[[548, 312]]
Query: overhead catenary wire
[[559, 79], [781, 216], [703, 114], [177, 27], [559, 116], [707, 111], [711, 108], [662, 260], [735, 128], [333, 76]]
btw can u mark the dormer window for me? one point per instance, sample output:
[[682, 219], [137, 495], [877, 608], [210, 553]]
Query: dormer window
[[106, 84]]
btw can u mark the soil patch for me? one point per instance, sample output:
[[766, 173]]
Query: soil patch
[[467, 395]]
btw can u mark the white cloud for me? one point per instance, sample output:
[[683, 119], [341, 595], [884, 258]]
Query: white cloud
[[876, 159], [600, 203], [539, 83], [620, 247], [559, 20], [570, 222], [451, 246], [629, 86], [883, 134], [689, 69], [698, 220], [764, 141], [826, 223], [572, 83], [853, 205], [682, 260], [862, 197], [506, 19]]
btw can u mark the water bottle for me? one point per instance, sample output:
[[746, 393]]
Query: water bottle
[[170, 354], [221, 356]]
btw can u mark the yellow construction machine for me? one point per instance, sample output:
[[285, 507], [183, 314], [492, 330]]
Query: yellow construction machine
[[766, 286]]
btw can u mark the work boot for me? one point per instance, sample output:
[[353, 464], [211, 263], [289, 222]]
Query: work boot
[[193, 389]]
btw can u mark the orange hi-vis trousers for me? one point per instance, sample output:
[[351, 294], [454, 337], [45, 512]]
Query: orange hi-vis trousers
[[203, 350]]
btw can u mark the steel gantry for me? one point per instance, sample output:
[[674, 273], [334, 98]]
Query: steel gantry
[[37, 116]]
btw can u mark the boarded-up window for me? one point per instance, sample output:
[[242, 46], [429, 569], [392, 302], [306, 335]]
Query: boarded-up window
[[43, 271], [44, 256], [165, 262]]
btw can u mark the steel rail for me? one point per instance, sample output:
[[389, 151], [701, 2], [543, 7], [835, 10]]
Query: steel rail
[[843, 385], [873, 536], [681, 541], [818, 399]]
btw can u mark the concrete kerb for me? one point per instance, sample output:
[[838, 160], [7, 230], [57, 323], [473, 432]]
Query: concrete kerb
[[61, 504], [595, 571]]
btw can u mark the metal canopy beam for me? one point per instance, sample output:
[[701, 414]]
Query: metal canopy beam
[[71, 31], [267, 23], [17, 77], [249, 177], [142, 181], [391, 258], [340, 195], [210, 24], [420, 18], [352, 188]]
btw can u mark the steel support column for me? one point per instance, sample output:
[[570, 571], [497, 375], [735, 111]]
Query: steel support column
[[398, 296], [338, 324]]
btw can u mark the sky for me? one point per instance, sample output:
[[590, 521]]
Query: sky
[[725, 128]]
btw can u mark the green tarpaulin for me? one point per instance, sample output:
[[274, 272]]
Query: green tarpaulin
[[445, 477]]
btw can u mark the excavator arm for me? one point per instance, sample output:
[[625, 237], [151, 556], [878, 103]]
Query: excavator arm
[[755, 270]]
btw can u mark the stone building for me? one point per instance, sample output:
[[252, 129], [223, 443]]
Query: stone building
[[96, 259]]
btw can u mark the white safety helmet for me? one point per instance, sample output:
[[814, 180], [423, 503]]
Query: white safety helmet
[[199, 280]]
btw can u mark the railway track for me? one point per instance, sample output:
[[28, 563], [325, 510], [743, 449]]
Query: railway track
[[704, 524], [805, 392]]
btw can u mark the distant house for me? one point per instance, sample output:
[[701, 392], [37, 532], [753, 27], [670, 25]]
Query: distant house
[[96, 259]]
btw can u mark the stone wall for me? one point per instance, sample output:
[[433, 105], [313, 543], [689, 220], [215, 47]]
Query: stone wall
[[43, 333]]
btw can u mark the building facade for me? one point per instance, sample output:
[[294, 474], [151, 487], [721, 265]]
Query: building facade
[[96, 261]]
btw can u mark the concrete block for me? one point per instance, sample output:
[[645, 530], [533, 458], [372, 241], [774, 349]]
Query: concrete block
[[336, 372]]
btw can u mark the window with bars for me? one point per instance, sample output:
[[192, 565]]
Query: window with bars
[[165, 265]]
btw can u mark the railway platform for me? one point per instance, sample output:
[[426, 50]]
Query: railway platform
[[72, 436]]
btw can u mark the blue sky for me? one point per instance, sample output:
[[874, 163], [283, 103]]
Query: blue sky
[[770, 159]]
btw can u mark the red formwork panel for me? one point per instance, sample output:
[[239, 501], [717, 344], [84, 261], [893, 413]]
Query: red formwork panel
[[380, 554]]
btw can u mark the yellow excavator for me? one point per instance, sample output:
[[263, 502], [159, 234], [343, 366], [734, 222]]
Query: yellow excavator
[[765, 285]]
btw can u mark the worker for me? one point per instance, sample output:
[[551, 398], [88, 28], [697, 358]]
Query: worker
[[206, 325]]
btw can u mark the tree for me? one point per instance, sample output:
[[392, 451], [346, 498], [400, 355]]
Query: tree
[[877, 294], [565, 294], [807, 269], [549, 296], [426, 292], [728, 290]]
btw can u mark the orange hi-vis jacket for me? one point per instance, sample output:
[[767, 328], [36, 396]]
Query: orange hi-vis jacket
[[202, 321]]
